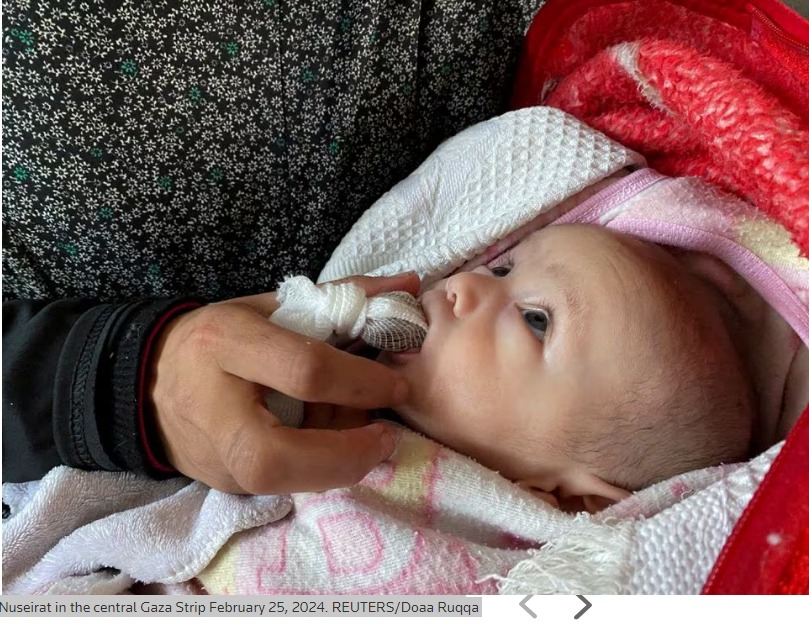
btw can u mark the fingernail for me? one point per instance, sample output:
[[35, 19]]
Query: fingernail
[[405, 275], [389, 441]]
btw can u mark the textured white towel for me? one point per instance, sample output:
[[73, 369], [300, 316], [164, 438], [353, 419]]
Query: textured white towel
[[73, 524], [662, 540], [476, 188]]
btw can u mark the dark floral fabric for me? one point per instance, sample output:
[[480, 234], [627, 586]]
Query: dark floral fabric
[[212, 147]]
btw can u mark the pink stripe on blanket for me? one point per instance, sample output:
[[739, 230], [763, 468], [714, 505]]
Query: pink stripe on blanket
[[692, 215], [609, 199]]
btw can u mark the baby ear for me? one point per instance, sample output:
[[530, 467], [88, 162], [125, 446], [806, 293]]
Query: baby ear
[[591, 492], [545, 496], [597, 503], [575, 492]]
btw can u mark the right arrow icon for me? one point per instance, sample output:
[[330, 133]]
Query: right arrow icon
[[586, 607]]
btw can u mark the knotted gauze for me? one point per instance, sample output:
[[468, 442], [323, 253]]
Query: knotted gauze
[[390, 321]]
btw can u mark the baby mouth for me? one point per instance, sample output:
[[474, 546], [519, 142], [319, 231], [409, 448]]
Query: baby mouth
[[396, 322]]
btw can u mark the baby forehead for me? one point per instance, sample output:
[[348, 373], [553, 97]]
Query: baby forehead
[[572, 234], [593, 251], [609, 278]]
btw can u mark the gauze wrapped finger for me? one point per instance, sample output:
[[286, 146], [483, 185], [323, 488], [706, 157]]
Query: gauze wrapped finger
[[391, 321]]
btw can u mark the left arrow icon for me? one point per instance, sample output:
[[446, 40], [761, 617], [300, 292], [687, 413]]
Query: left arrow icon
[[525, 607]]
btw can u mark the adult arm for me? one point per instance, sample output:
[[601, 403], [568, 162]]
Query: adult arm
[[155, 386], [210, 373], [71, 382]]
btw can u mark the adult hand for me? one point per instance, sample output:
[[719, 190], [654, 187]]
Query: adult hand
[[210, 372]]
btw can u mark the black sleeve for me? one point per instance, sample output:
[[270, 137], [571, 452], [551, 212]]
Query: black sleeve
[[73, 377]]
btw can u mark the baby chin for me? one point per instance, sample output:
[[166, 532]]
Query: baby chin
[[403, 362]]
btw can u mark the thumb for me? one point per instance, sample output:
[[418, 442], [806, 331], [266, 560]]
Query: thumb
[[340, 458], [263, 303], [408, 282], [295, 460]]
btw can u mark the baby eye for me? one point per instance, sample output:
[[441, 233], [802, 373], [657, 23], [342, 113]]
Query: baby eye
[[538, 320], [501, 265], [500, 271]]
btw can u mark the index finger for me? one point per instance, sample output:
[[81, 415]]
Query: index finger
[[408, 281], [307, 369]]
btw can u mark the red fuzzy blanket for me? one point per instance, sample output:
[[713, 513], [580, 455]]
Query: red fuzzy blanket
[[718, 90]]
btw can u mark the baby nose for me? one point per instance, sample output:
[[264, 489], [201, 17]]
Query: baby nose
[[466, 292]]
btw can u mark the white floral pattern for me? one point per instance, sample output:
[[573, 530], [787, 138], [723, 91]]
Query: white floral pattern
[[158, 148]]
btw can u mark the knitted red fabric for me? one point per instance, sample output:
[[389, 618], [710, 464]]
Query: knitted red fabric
[[696, 95], [701, 117], [766, 41]]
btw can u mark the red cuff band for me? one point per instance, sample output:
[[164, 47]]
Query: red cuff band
[[150, 454]]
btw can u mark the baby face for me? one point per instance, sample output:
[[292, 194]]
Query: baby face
[[521, 350]]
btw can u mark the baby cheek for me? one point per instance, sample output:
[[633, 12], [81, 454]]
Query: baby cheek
[[454, 409], [455, 387]]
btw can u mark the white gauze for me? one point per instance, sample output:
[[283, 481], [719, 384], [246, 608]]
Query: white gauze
[[389, 321]]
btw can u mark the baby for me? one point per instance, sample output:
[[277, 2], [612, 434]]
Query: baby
[[569, 350], [582, 364]]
